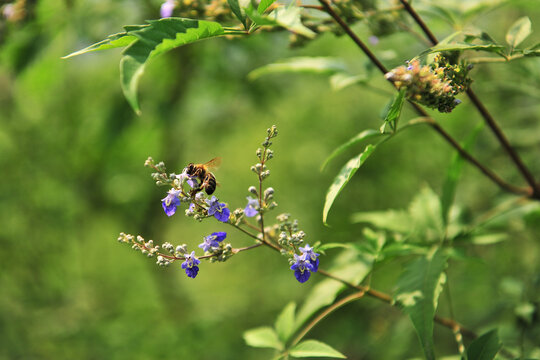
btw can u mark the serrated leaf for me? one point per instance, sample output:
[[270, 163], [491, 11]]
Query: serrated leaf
[[263, 5], [418, 292], [314, 348], [303, 64], [485, 347], [237, 11], [393, 109], [285, 322], [344, 176], [263, 337], [350, 266], [519, 31], [364, 135], [453, 174], [112, 41], [155, 39]]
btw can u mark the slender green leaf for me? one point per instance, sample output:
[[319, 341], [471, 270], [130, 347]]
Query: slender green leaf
[[364, 135], [304, 64], [112, 41], [263, 5], [519, 31], [288, 17], [344, 176], [393, 110], [485, 347], [155, 39], [494, 48], [263, 337], [314, 348], [418, 292], [329, 246], [237, 11], [453, 174], [285, 322], [425, 212], [350, 266]]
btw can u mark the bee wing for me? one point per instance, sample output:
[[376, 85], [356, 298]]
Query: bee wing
[[213, 164]]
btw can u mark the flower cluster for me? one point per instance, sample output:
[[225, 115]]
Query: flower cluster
[[188, 186], [434, 86], [212, 245], [290, 238], [14, 11]]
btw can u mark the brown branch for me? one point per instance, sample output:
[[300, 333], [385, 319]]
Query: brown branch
[[490, 174], [535, 188]]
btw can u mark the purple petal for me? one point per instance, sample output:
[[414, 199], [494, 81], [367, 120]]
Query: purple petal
[[220, 235], [250, 211], [302, 276], [166, 9], [193, 271]]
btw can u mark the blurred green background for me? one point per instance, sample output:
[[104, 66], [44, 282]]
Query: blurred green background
[[71, 159]]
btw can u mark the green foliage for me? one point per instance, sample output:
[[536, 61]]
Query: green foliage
[[314, 348], [344, 176], [263, 337], [155, 39], [285, 322], [485, 347], [518, 32], [418, 293]]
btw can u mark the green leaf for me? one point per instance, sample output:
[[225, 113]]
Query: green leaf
[[488, 239], [485, 347], [364, 135], [392, 220], [112, 41], [263, 5], [418, 292], [314, 348], [304, 64], [494, 48], [453, 174], [425, 212], [393, 109], [263, 337], [341, 80], [329, 246], [288, 17], [350, 266], [518, 31], [155, 39], [344, 176], [285, 322], [237, 11]]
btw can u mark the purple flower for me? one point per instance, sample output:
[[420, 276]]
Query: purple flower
[[171, 201], [302, 268], [218, 210], [311, 256], [167, 8], [190, 265], [251, 207], [191, 180], [212, 241]]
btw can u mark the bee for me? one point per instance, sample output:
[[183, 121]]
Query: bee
[[201, 171]]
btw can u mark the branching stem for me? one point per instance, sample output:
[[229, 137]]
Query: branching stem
[[523, 169]]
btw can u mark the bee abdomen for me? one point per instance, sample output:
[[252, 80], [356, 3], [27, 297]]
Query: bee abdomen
[[209, 184]]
